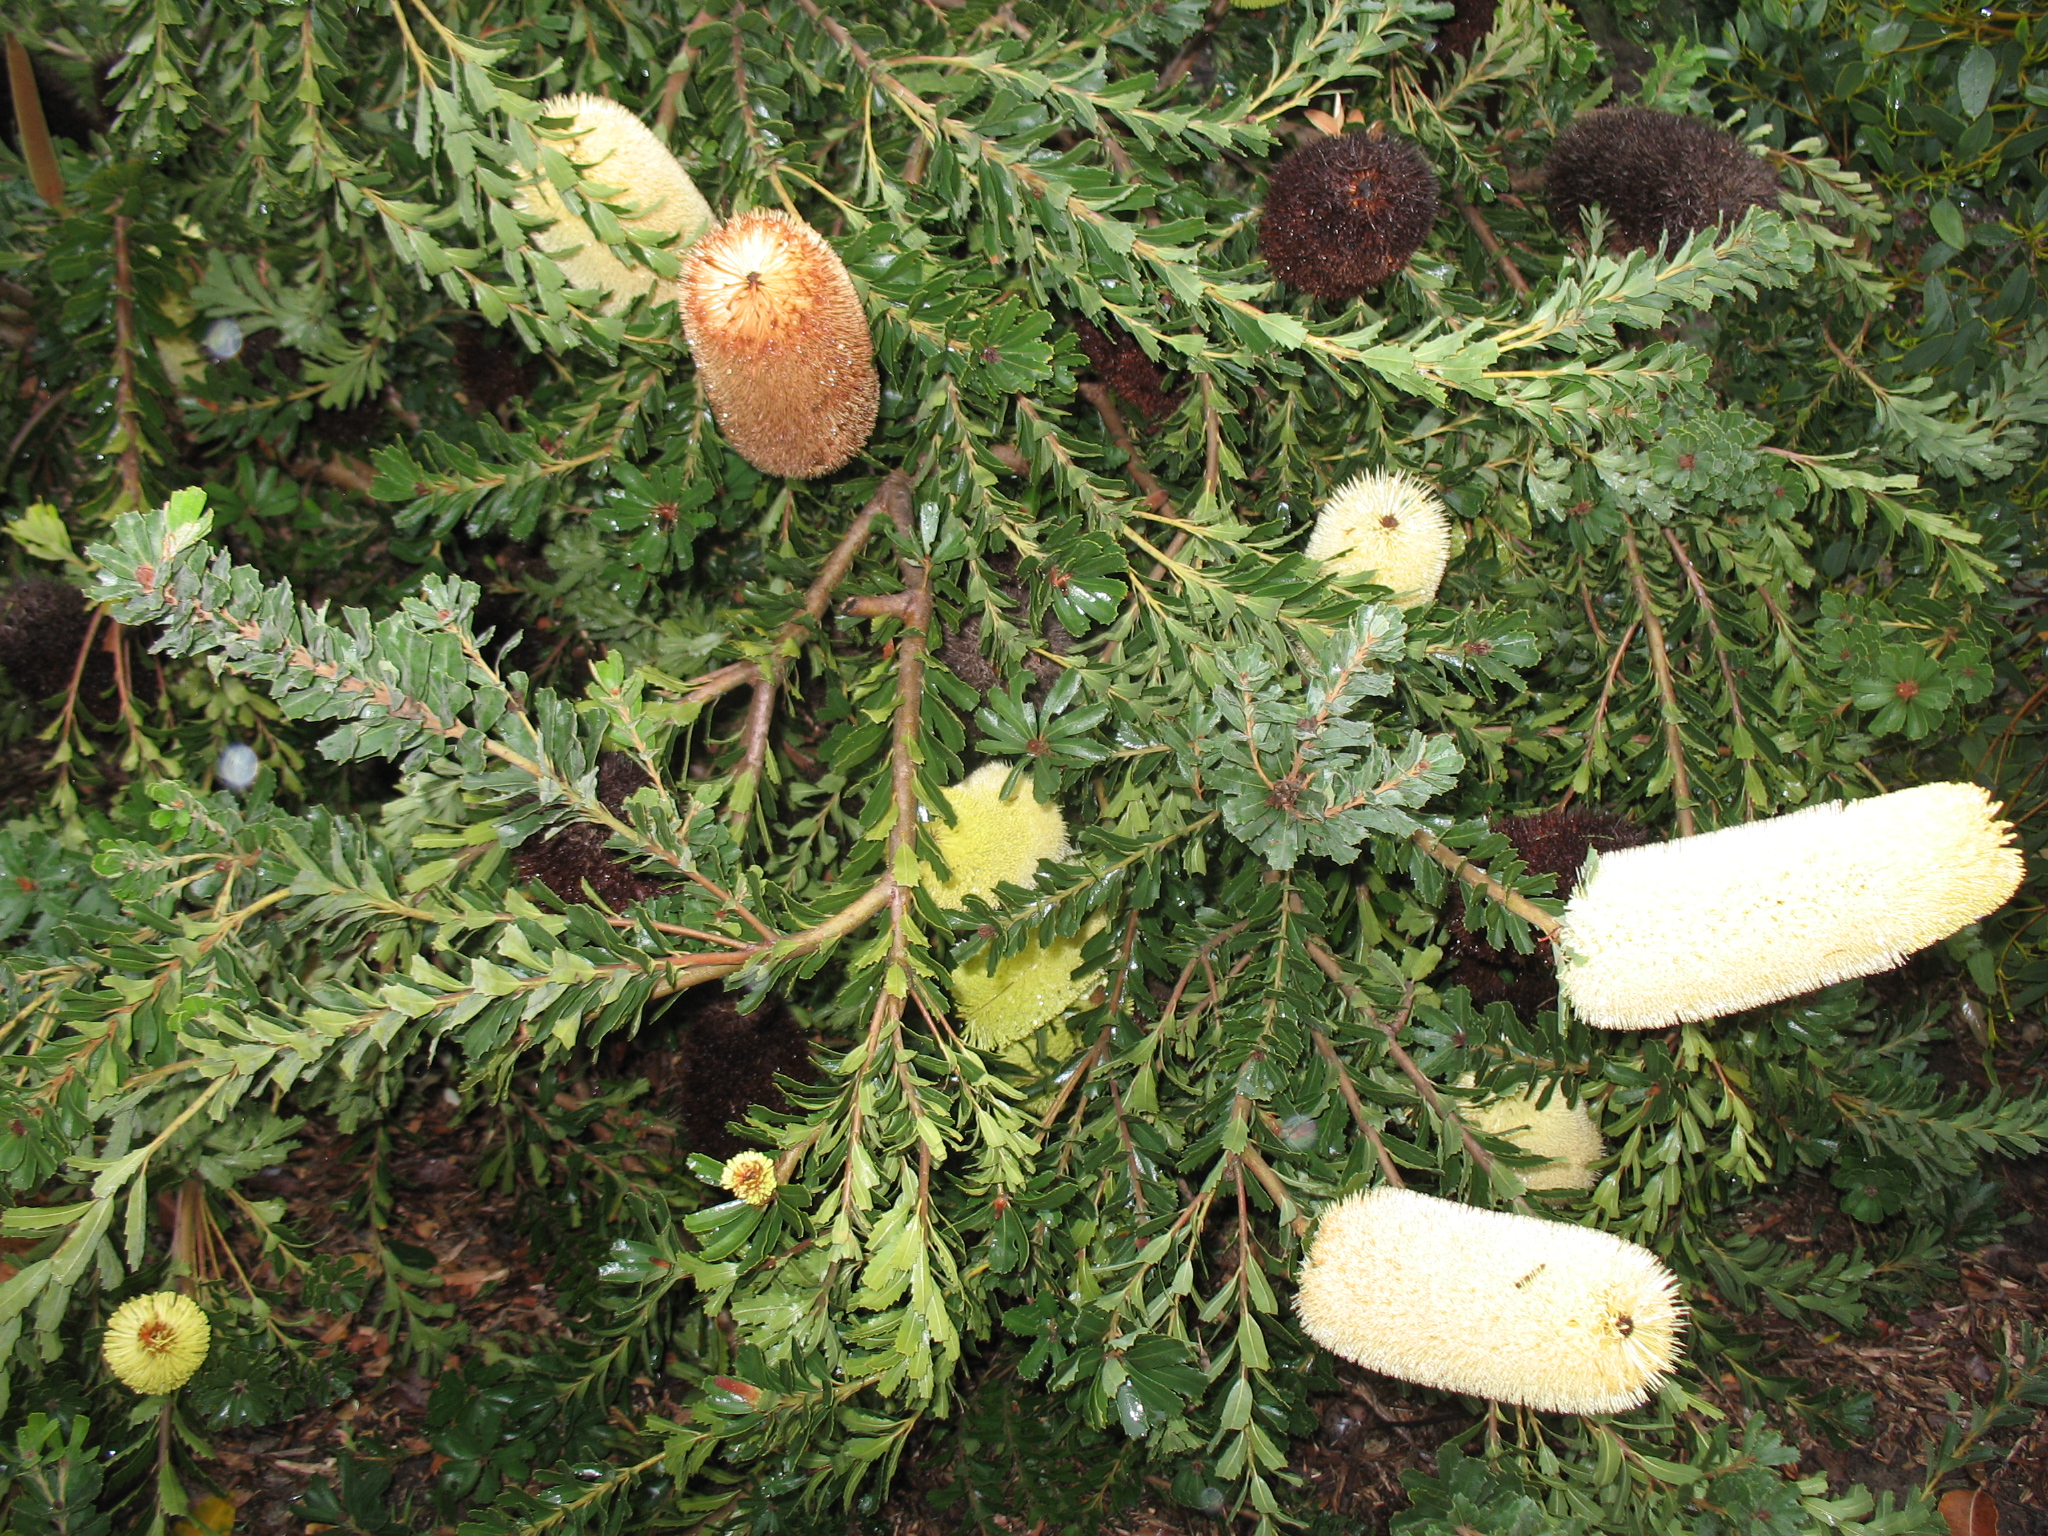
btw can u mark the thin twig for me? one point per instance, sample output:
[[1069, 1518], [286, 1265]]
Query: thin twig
[[1699, 592], [1472, 874], [891, 496], [1494, 248], [1391, 1028], [125, 410], [1366, 1128], [1607, 690], [1660, 663]]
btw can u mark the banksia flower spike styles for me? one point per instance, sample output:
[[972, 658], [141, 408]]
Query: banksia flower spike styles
[[1343, 215], [751, 1176], [781, 343], [615, 150], [1030, 988], [1389, 525], [1551, 1316], [1659, 176], [1562, 1132], [993, 840], [1747, 915], [154, 1343]]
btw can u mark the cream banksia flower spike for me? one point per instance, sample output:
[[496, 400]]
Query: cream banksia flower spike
[[1734, 919], [781, 343], [616, 151], [1561, 1132], [1390, 526], [1551, 1316], [154, 1343]]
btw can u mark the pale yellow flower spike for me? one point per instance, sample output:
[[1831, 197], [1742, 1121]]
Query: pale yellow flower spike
[[616, 150], [1390, 526], [993, 841], [1551, 1316], [1734, 919], [1562, 1132], [751, 1176], [1032, 987], [154, 1343]]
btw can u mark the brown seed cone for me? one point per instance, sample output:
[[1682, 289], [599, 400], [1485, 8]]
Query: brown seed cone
[[781, 343], [1550, 843], [1658, 176], [564, 860], [42, 625], [728, 1063], [1122, 364], [1469, 23], [1344, 215], [492, 368]]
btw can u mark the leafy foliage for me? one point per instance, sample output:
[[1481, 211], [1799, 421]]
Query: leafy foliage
[[1743, 522]]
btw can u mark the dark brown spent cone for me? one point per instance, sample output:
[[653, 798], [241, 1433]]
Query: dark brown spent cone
[[1470, 21], [781, 343], [1343, 215], [1659, 176], [728, 1063], [961, 651], [493, 369], [42, 625], [565, 859], [1122, 364], [1550, 843]]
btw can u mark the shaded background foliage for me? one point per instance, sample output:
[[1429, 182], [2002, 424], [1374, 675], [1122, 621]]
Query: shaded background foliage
[[1744, 523]]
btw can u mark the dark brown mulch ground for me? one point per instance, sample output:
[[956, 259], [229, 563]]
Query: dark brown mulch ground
[[1370, 1433]]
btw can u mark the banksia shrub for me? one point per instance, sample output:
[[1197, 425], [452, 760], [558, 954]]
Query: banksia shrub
[[1659, 176], [615, 151], [1343, 215], [1734, 919], [781, 344], [1388, 526], [1550, 1316]]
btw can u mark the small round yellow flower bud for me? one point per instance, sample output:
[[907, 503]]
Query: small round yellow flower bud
[[751, 1176], [154, 1343]]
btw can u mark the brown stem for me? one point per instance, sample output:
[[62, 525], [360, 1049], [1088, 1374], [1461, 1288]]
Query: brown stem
[[1156, 497], [1184, 61], [1391, 1028], [1366, 1128], [125, 409], [1494, 248], [1660, 663], [1472, 874], [1270, 1182], [1699, 592], [891, 496], [1607, 690]]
